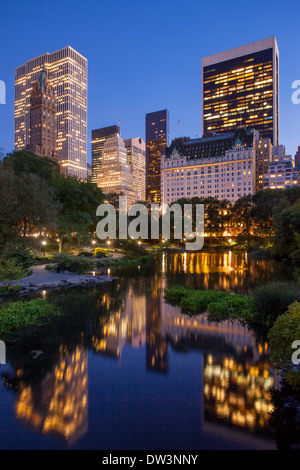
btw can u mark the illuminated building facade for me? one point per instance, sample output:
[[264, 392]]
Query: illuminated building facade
[[263, 157], [115, 175], [157, 139], [240, 87], [297, 159], [136, 157], [99, 137], [67, 73], [43, 118], [228, 176], [282, 173]]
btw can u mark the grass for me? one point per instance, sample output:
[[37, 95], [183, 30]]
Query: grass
[[19, 314]]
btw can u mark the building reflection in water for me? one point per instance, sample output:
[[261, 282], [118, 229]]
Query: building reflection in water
[[237, 375], [59, 403], [124, 324], [220, 271]]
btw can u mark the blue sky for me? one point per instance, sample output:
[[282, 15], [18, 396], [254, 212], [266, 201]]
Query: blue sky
[[145, 55]]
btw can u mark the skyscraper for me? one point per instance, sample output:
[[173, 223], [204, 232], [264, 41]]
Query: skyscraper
[[157, 139], [240, 87], [67, 72], [99, 137], [136, 157], [115, 175], [43, 118]]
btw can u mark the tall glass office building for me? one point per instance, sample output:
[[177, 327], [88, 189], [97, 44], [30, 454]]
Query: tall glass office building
[[240, 88], [67, 72], [99, 136], [157, 140]]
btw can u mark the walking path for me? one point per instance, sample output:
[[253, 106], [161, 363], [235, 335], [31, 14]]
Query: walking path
[[42, 278]]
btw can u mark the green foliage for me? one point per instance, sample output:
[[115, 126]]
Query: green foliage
[[74, 264], [10, 270], [87, 254], [78, 201], [233, 307], [22, 256], [131, 247], [272, 300], [220, 305], [120, 262], [35, 197], [284, 332], [100, 253], [15, 315]]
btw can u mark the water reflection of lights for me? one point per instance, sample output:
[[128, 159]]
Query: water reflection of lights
[[184, 262], [163, 263]]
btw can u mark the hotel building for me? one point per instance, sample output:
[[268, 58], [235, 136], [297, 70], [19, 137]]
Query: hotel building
[[240, 88], [115, 175], [229, 175], [136, 157], [99, 137], [67, 73], [157, 140]]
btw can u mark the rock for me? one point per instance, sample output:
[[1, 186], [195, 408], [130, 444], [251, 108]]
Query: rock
[[76, 281]]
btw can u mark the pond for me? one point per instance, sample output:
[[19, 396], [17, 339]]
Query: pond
[[122, 369]]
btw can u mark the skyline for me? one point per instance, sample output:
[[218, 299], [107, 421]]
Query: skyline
[[122, 86]]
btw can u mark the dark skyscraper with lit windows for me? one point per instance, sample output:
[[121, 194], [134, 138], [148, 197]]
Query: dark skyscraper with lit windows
[[99, 136], [157, 140], [240, 88]]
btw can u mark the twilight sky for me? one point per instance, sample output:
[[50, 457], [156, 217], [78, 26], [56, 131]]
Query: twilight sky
[[145, 55]]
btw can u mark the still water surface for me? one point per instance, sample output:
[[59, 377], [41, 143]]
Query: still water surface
[[124, 370]]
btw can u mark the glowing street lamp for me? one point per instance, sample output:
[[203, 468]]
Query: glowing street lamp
[[44, 243]]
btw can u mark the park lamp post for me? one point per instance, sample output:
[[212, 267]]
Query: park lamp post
[[44, 243]]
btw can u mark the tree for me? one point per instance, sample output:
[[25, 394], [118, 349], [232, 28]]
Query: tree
[[286, 226], [78, 204], [242, 219]]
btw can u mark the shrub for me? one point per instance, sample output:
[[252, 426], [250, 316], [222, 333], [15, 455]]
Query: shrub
[[87, 254], [120, 262], [74, 264], [100, 253], [131, 247], [283, 333], [15, 315], [22, 256], [272, 300], [10, 271]]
